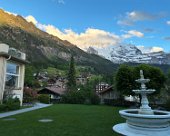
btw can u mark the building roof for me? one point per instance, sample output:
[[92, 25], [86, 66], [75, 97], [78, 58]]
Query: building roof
[[52, 90], [110, 88], [3, 54]]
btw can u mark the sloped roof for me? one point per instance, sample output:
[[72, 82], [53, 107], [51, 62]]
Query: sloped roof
[[53, 90], [106, 90]]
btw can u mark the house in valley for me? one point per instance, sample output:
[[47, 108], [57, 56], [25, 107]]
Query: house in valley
[[101, 86], [108, 94], [54, 92]]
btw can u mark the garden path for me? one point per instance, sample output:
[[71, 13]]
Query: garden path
[[35, 107]]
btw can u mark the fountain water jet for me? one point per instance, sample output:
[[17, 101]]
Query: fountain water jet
[[144, 121]]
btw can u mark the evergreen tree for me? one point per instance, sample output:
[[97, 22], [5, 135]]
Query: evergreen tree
[[29, 78], [71, 84]]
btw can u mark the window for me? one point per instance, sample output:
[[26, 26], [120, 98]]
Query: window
[[12, 75]]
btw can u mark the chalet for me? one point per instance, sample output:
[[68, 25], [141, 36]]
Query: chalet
[[12, 70], [54, 92], [81, 80], [101, 86], [108, 94]]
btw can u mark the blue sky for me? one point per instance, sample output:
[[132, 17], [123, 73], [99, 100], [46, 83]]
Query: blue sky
[[101, 23]]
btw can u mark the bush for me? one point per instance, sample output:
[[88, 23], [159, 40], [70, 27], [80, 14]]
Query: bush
[[12, 104], [3, 107], [94, 99], [120, 102], [44, 98], [73, 97], [81, 97], [167, 105], [29, 95]]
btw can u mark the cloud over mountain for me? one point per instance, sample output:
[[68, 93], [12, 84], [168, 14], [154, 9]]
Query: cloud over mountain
[[31, 19], [133, 33], [131, 17], [92, 37], [150, 49], [168, 22]]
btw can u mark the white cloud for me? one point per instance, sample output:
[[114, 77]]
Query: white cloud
[[125, 22], [132, 33], [150, 49], [30, 18], [168, 22], [11, 13], [135, 33], [167, 38], [61, 1], [139, 16], [131, 17], [156, 49], [90, 37]]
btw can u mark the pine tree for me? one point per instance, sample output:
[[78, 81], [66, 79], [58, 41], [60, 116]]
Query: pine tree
[[71, 84]]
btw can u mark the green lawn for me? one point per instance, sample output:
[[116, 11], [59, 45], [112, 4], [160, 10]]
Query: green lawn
[[69, 120]]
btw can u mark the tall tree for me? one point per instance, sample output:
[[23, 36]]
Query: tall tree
[[167, 84], [125, 80], [29, 78], [71, 84], [126, 76]]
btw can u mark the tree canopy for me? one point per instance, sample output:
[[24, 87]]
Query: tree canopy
[[126, 76]]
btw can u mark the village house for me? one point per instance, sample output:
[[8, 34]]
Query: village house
[[54, 92], [101, 86], [12, 70], [108, 94], [81, 80]]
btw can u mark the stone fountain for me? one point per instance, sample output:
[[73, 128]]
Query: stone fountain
[[144, 121]]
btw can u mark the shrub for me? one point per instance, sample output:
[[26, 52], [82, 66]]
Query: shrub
[[44, 98], [167, 105], [3, 107], [80, 97], [12, 104], [73, 97], [30, 95], [120, 102], [94, 99]]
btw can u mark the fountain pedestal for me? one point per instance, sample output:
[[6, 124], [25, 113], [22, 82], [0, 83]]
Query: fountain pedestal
[[144, 108], [144, 121]]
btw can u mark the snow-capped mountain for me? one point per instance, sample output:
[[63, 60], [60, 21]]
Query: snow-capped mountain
[[91, 50], [130, 53]]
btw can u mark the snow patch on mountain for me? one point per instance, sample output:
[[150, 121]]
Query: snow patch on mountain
[[130, 53]]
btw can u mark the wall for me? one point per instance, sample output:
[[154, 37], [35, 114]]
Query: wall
[[2, 76]]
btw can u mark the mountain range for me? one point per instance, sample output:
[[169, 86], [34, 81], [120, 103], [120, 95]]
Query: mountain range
[[130, 53], [44, 50]]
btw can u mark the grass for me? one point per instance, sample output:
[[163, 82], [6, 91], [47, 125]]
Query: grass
[[69, 120]]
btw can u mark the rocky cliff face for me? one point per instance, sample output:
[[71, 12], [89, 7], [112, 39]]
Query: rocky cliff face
[[91, 50], [43, 49], [131, 53]]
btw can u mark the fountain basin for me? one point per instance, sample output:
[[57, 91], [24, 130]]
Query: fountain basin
[[144, 121], [159, 119]]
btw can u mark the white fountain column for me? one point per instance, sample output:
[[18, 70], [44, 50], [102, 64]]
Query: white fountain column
[[144, 108]]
